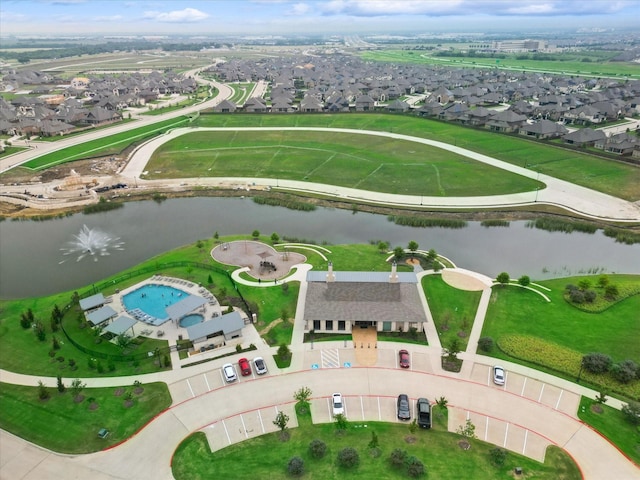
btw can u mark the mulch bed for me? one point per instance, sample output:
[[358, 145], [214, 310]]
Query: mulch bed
[[596, 408], [93, 406], [410, 439], [78, 398], [464, 445], [118, 391], [138, 390], [128, 403]]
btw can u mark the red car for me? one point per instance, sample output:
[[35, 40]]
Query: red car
[[245, 368], [404, 359]]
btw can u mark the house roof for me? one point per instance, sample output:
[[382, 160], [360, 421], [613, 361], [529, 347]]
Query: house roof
[[120, 325], [227, 323], [360, 301], [92, 302], [185, 306], [101, 314]]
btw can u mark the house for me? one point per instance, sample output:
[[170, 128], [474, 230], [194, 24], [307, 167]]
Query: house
[[255, 105], [310, 104], [543, 129], [364, 103], [398, 106], [337, 302], [217, 331], [225, 106], [619, 144], [584, 137], [505, 122]]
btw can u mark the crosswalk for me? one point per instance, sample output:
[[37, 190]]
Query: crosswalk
[[330, 358]]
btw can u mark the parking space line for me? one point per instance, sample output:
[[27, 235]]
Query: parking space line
[[489, 377], [244, 427], [541, 392], [379, 412], [506, 433], [261, 423], [524, 384], [362, 407], [193, 395], [329, 409], [206, 381], [524, 447], [227, 432], [486, 429], [559, 398]]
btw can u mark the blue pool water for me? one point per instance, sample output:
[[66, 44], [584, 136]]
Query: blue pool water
[[191, 320], [152, 299]]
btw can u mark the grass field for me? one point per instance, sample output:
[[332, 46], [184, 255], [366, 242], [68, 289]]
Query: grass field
[[569, 64], [267, 457], [453, 310], [65, 425], [615, 178], [356, 161]]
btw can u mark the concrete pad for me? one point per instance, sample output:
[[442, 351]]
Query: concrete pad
[[180, 392], [514, 382], [197, 385], [217, 436], [532, 389], [421, 361], [568, 403], [550, 395]]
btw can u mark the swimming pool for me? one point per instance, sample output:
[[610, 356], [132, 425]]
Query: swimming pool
[[152, 299], [190, 320]]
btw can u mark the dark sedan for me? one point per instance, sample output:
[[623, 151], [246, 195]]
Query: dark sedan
[[404, 410]]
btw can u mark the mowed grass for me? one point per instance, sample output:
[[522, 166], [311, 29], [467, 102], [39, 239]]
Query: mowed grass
[[64, 425], [364, 162], [615, 178], [614, 331], [453, 309], [267, 457]]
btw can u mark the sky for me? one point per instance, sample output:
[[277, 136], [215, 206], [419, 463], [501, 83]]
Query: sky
[[280, 17]]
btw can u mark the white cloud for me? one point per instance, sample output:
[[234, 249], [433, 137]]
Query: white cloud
[[177, 16], [299, 9]]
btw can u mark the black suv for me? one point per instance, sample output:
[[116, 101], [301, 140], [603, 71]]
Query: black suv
[[404, 411]]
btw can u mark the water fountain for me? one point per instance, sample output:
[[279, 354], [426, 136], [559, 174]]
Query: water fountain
[[91, 242]]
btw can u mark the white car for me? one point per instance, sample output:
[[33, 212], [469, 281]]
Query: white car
[[338, 406], [229, 373], [261, 366], [498, 375]]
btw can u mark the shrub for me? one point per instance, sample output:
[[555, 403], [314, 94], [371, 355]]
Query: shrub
[[397, 457], [348, 457], [498, 456], [43, 391], [41, 333], [295, 466], [625, 371], [597, 362], [576, 296], [415, 468], [374, 443], [485, 344], [61, 387], [317, 448], [631, 412], [611, 292], [524, 280], [590, 296]]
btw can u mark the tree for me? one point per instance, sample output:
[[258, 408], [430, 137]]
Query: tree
[[467, 430], [41, 333], [398, 457], [123, 340], [275, 238], [317, 448], [283, 352], [255, 233], [631, 412], [199, 244], [281, 421], [295, 466], [415, 467], [524, 280], [584, 284], [43, 391], [485, 344], [413, 246], [76, 387], [341, 422], [374, 443], [625, 371], [453, 349], [601, 398], [61, 387], [348, 457], [432, 255], [302, 395], [398, 253], [56, 317], [611, 292], [503, 278], [216, 236], [590, 296], [442, 402], [26, 319], [498, 456], [55, 343], [383, 246], [603, 281], [209, 280], [597, 362]]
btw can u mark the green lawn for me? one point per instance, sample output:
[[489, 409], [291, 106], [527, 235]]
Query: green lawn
[[612, 424], [615, 331], [616, 178], [453, 309], [62, 424], [267, 457], [357, 161]]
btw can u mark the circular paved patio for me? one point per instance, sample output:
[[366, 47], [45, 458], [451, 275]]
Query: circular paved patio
[[264, 262]]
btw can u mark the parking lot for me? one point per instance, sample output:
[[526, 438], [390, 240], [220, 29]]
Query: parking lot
[[530, 388], [346, 357]]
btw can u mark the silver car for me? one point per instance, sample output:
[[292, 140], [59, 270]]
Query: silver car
[[498, 375], [229, 373], [261, 366]]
